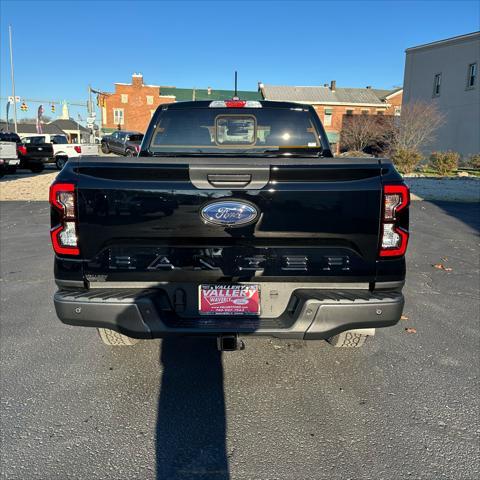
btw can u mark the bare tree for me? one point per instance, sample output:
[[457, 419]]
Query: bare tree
[[362, 131], [416, 127], [30, 120]]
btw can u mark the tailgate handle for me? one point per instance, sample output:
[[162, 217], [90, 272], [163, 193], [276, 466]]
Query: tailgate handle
[[229, 180], [233, 177]]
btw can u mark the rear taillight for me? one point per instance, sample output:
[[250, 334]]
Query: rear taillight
[[394, 239], [137, 148], [22, 149], [78, 148], [64, 233]]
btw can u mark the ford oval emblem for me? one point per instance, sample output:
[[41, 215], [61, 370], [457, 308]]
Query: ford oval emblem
[[229, 213]]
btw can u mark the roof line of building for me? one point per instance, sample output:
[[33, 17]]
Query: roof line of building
[[328, 87], [143, 85], [352, 104], [206, 89], [393, 93], [458, 38]]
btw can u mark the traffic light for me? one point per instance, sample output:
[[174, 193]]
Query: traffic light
[[24, 107], [53, 108]]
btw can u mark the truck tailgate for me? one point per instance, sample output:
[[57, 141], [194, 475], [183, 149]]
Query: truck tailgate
[[89, 149], [39, 150], [8, 150], [142, 220]]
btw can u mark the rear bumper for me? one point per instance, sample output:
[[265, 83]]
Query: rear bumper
[[9, 162], [311, 314], [37, 159]]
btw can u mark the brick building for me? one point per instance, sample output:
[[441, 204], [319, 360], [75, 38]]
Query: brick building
[[131, 106], [333, 104], [393, 98]]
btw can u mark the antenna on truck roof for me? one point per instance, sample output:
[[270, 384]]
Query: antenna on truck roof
[[235, 96]]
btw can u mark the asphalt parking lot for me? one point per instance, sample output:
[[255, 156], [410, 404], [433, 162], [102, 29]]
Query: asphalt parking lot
[[404, 407]]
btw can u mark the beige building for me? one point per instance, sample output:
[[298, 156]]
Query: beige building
[[446, 73]]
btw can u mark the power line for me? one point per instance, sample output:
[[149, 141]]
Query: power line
[[76, 103]]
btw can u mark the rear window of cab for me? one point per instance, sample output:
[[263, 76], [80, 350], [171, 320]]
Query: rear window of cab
[[199, 129]]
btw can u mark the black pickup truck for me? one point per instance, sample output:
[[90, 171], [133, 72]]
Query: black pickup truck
[[34, 153], [235, 219]]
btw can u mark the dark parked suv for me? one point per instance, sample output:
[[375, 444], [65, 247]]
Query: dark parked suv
[[122, 143]]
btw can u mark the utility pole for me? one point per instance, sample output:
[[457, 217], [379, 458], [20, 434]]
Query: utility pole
[[90, 104], [13, 80], [90, 112], [78, 125], [101, 97]]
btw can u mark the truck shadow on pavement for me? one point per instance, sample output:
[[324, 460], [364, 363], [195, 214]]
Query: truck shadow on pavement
[[468, 213], [191, 425]]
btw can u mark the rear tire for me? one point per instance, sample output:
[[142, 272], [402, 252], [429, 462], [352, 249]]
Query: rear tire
[[129, 153], [60, 161], [37, 167], [115, 339], [351, 338], [105, 148]]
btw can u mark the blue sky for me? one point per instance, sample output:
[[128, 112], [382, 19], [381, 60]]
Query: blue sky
[[60, 46]]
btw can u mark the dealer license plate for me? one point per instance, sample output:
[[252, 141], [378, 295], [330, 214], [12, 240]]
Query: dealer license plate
[[229, 299]]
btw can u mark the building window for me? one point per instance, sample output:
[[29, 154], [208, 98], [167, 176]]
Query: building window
[[149, 99], [380, 112], [118, 116], [437, 80], [327, 119], [124, 98], [397, 111], [365, 111], [349, 112], [472, 75]]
